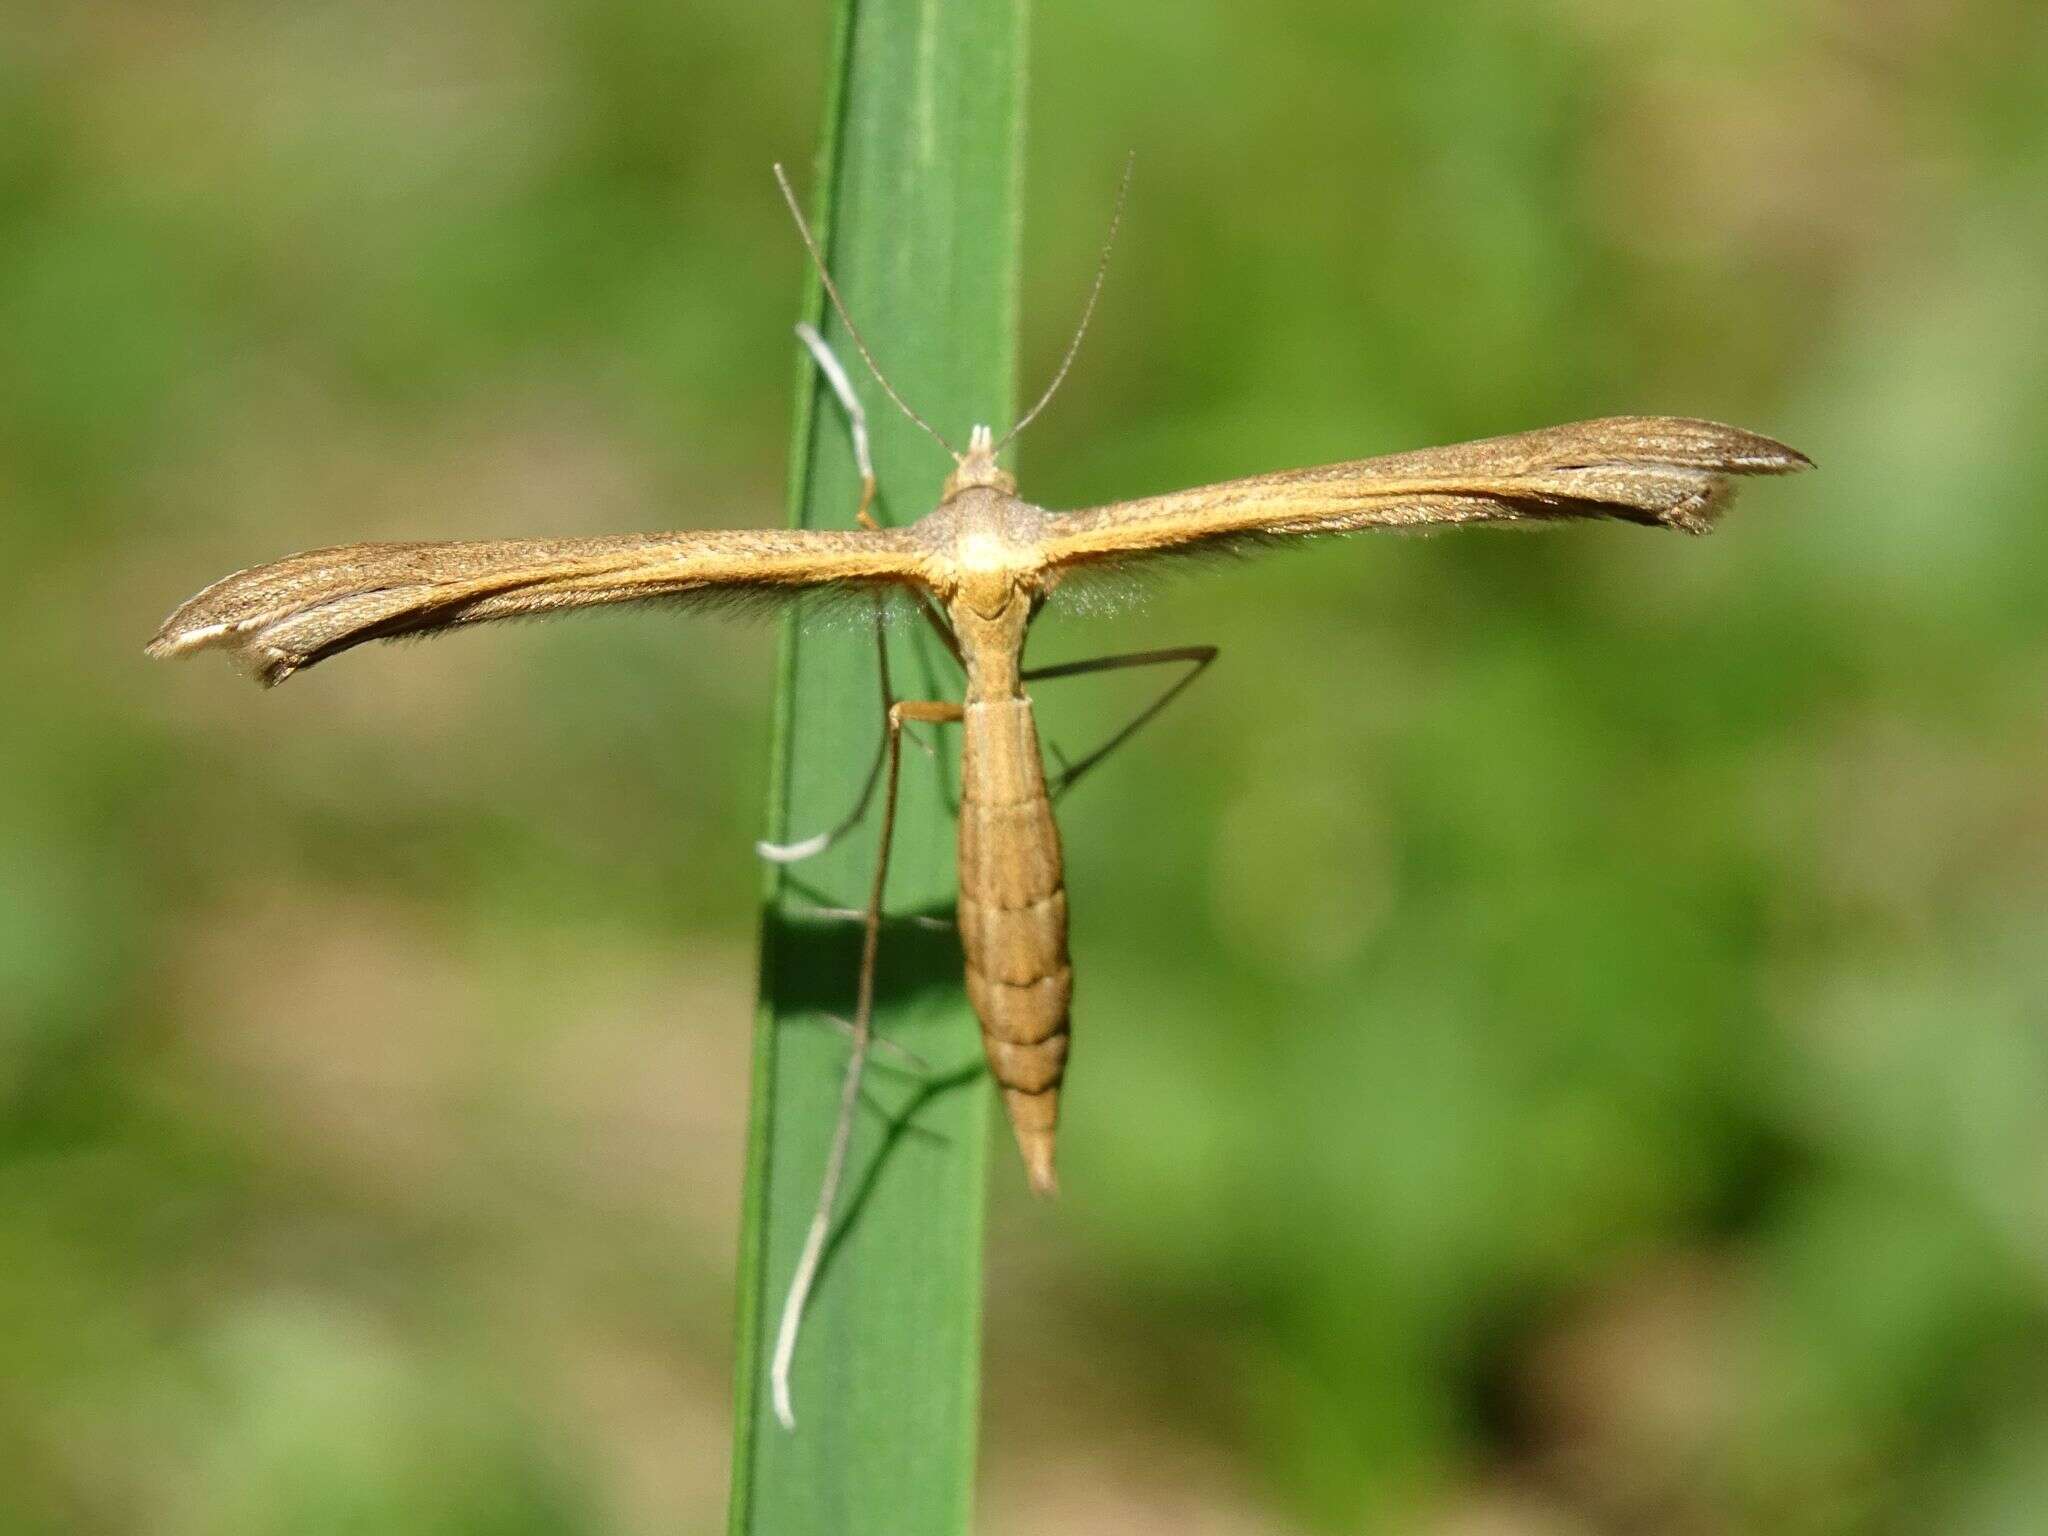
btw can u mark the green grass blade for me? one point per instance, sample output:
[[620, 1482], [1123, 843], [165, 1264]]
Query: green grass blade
[[919, 182]]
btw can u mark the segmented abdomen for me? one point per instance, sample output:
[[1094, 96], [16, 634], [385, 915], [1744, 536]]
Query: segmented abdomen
[[1013, 921]]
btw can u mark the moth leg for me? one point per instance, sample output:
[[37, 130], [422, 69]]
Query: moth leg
[[857, 427], [809, 847], [1195, 657], [856, 418], [922, 920], [936, 712], [935, 616]]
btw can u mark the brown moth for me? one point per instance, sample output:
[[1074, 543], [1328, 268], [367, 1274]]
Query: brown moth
[[989, 560], [981, 564]]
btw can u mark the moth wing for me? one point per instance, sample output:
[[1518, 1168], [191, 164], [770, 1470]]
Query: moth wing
[[287, 615], [1664, 471]]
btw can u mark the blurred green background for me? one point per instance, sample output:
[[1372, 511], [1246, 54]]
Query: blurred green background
[[1561, 1016]]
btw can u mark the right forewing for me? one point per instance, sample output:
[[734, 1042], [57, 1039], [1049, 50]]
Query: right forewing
[[287, 615], [1666, 471]]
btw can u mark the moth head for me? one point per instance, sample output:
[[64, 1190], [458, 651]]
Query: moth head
[[977, 466]]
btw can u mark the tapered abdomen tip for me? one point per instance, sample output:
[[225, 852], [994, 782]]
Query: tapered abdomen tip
[[1035, 1139], [1045, 1179]]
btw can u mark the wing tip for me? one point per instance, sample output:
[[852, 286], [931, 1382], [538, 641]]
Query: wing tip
[[1691, 442], [1768, 456], [1738, 451], [1749, 453]]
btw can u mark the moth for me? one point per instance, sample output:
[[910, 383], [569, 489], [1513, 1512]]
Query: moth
[[981, 564]]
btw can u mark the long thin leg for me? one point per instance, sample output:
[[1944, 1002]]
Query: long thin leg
[[804, 848], [857, 427], [856, 418], [1197, 659], [922, 920], [936, 712], [937, 620]]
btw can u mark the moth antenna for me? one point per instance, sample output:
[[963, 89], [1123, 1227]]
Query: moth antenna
[[839, 305], [1088, 312]]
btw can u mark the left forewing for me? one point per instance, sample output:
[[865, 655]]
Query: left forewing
[[1665, 471], [281, 617]]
